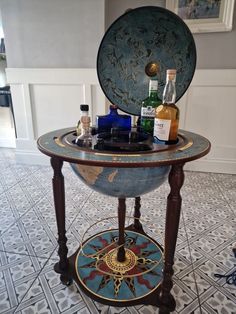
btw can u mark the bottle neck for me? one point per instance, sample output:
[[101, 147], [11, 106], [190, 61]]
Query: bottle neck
[[169, 93], [84, 120], [85, 127], [85, 130], [84, 113], [113, 109], [153, 87], [153, 94]]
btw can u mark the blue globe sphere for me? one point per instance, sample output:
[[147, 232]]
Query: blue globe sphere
[[122, 182]]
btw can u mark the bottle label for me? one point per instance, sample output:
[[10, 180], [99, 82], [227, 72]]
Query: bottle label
[[162, 129], [148, 112]]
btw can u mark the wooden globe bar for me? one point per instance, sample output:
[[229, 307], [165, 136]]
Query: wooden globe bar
[[125, 266], [119, 256]]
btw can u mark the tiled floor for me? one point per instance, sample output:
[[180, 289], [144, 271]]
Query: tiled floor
[[28, 242]]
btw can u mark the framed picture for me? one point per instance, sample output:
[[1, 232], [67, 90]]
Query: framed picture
[[203, 16]]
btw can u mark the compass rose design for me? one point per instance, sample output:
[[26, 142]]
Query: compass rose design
[[101, 273]]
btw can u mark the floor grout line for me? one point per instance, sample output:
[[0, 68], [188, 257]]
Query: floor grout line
[[225, 199], [191, 259], [34, 281]]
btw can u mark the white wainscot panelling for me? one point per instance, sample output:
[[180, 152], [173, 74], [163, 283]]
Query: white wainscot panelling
[[209, 109], [58, 106], [55, 107], [49, 99]]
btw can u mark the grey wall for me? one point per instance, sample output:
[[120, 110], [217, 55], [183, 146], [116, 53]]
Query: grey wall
[[214, 50], [217, 50], [52, 33], [67, 33], [115, 8]]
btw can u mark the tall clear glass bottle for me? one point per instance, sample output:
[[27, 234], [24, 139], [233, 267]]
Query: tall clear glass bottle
[[167, 115], [148, 108]]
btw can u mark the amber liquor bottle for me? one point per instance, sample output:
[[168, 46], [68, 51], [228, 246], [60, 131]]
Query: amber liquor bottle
[[148, 108], [166, 122]]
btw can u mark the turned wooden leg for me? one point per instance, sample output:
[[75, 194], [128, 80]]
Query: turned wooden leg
[[176, 180], [121, 222], [137, 214], [59, 201]]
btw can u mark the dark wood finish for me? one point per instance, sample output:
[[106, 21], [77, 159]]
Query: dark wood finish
[[137, 214], [162, 296], [121, 223], [53, 145], [59, 202], [61, 134], [176, 180]]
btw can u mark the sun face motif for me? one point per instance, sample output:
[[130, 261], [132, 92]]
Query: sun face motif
[[101, 273]]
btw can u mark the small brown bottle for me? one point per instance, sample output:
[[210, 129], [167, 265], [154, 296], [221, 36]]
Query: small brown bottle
[[167, 115]]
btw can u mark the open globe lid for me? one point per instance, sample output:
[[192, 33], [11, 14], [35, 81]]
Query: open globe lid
[[143, 43]]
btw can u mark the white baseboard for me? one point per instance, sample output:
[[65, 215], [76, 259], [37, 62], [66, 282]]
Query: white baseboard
[[8, 142], [32, 158], [216, 166]]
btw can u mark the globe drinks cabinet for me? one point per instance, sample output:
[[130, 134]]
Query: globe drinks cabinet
[[124, 266]]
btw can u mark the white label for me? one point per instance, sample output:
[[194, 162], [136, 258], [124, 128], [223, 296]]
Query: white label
[[148, 112], [162, 129]]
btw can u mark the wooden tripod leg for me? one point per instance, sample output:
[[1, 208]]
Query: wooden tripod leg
[[62, 267], [176, 180], [121, 222], [137, 214]]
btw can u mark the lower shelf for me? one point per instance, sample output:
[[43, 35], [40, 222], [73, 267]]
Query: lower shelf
[[108, 281]]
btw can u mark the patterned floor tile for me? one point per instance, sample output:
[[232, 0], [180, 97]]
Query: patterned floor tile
[[17, 274], [31, 234], [7, 214], [227, 185], [48, 295], [218, 302], [28, 240], [184, 296]]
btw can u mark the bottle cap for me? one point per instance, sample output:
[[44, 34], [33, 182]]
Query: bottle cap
[[171, 74], [84, 107]]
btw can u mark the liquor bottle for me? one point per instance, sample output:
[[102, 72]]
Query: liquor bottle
[[85, 138], [167, 115], [113, 120], [84, 109], [148, 108]]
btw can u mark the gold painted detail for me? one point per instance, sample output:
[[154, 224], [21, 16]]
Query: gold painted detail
[[89, 173], [117, 283], [114, 156], [120, 267], [112, 176], [58, 142], [189, 144]]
